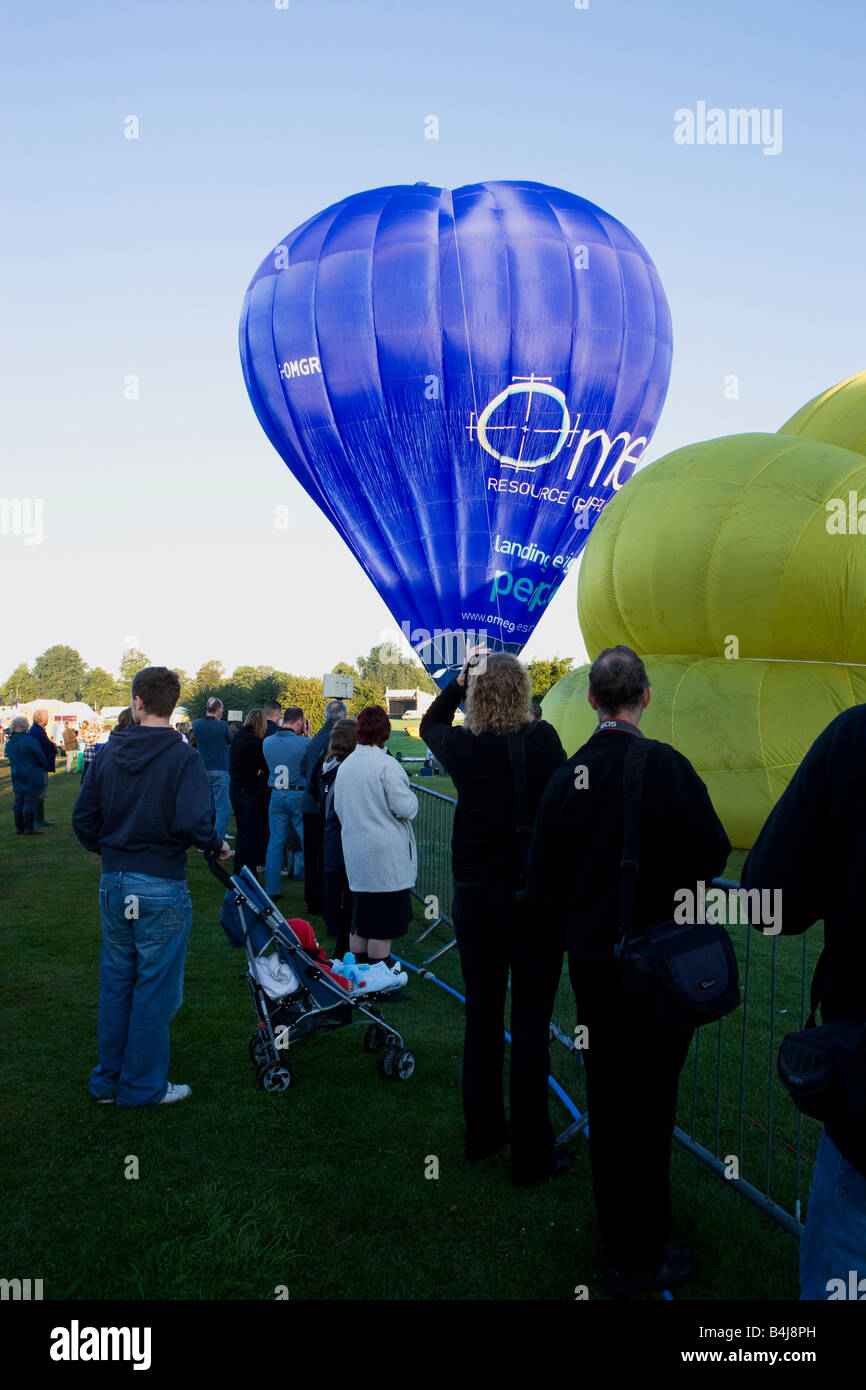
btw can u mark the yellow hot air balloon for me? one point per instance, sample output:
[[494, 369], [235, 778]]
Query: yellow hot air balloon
[[744, 725], [729, 538], [837, 416], [737, 568]]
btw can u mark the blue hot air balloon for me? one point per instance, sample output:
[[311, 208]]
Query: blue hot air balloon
[[460, 380]]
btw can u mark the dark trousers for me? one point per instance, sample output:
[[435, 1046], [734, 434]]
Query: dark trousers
[[314, 829], [249, 811], [632, 1072], [39, 810], [493, 934], [337, 908], [25, 804]]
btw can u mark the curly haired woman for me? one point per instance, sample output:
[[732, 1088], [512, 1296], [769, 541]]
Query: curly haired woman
[[493, 932]]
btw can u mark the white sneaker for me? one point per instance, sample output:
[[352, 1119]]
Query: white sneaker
[[380, 977], [174, 1093]]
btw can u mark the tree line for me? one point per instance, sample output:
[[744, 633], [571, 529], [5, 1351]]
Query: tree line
[[60, 673]]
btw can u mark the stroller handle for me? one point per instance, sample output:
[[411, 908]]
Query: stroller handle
[[217, 869]]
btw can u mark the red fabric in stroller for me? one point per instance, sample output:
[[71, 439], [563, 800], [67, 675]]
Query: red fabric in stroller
[[307, 939]]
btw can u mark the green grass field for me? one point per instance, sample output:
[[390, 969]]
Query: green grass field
[[322, 1189]]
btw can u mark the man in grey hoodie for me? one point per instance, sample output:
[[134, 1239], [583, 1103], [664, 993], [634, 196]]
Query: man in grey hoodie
[[145, 800]]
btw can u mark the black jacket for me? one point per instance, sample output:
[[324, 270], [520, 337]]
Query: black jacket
[[247, 766], [311, 767], [574, 858], [39, 736], [332, 839], [484, 843], [144, 801], [813, 848]]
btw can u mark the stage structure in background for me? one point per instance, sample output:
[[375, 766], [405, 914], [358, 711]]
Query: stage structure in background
[[461, 380], [337, 687]]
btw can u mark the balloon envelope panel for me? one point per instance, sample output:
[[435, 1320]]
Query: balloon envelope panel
[[734, 551], [730, 539], [745, 726], [461, 381], [837, 416]]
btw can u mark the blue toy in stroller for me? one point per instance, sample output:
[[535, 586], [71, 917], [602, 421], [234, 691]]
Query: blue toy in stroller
[[293, 994]]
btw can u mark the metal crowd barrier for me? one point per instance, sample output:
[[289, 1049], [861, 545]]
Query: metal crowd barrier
[[434, 884], [733, 1112]]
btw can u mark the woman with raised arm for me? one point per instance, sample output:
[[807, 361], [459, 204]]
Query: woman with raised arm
[[499, 758]]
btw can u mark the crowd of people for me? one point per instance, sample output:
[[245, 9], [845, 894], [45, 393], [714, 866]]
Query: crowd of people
[[30, 770], [538, 861]]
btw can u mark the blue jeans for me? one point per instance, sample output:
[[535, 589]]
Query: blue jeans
[[833, 1245], [220, 805], [145, 929], [284, 812]]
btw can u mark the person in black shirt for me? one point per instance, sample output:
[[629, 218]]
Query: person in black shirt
[[493, 932], [813, 848], [38, 734], [632, 1069], [273, 712], [248, 780], [314, 826], [337, 900]]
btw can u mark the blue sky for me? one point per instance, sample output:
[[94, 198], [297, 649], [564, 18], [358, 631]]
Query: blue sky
[[125, 257]]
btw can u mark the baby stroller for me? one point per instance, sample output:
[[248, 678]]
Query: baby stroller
[[295, 995]]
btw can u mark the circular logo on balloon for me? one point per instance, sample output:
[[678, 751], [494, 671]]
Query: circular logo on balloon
[[528, 386]]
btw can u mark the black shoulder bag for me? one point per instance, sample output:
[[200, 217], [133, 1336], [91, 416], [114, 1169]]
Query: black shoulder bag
[[691, 969], [823, 1067]]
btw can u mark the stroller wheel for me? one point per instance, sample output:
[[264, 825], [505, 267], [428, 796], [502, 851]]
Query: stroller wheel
[[404, 1065], [258, 1049], [275, 1076], [374, 1038], [387, 1061]]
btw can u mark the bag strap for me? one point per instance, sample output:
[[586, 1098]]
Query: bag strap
[[633, 768], [517, 756], [817, 988]]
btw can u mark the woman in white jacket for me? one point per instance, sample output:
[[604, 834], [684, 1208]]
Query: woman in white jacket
[[376, 806]]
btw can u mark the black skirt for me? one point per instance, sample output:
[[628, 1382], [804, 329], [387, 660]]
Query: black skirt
[[382, 916]]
